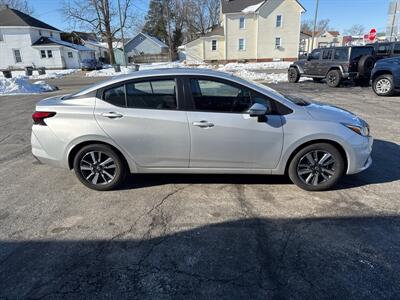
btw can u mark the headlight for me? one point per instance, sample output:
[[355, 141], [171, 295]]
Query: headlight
[[359, 129]]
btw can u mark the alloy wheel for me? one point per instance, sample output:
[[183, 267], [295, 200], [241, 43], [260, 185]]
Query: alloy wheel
[[383, 86], [316, 167], [98, 168]]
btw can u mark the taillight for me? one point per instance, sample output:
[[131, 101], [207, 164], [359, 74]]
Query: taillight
[[39, 116]]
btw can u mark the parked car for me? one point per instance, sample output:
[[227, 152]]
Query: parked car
[[90, 64], [335, 65], [385, 76], [386, 49], [197, 121]]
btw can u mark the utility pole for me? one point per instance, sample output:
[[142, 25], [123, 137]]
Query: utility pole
[[315, 26], [393, 22], [122, 34]]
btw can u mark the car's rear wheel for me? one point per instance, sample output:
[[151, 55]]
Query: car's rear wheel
[[317, 167], [99, 167], [293, 75], [334, 78], [383, 85]]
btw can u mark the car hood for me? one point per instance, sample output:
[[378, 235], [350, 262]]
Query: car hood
[[325, 112]]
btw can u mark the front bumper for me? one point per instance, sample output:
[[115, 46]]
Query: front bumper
[[361, 159]]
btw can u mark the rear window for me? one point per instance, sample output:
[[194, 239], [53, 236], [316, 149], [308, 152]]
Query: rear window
[[341, 54], [357, 53]]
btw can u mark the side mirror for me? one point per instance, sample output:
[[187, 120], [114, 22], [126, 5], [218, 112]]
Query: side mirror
[[258, 110]]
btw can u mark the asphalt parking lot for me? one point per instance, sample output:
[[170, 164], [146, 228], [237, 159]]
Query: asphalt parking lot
[[200, 236]]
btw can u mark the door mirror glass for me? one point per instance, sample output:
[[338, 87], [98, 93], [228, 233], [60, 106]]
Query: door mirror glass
[[258, 110]]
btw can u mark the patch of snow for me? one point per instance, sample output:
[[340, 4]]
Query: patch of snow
[[49, 74], [252, 8], [276, 65], [21, 85], [70, 45]]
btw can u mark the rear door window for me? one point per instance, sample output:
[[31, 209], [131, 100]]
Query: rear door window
[[115, 95], [341, 54], [396, 49], [327, 54], [153, 94]]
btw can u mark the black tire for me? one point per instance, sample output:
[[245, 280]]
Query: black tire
[[383, 85], [293, 75], [365, 66], [327, 180], [83, 159], [334, 78], [317, 80]]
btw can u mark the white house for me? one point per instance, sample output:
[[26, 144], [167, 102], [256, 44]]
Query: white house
[[322, 39], [251, 30], [26, 41], [146, 48]]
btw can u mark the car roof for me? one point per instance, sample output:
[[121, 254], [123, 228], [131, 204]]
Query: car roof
[[160, 73]]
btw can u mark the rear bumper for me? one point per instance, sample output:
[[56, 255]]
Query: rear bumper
[[41, 155]]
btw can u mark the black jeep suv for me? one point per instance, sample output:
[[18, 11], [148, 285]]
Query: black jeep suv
[[335, 65]]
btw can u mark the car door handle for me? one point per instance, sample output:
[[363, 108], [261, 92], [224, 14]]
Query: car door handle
[[112, 115], [203, 124]]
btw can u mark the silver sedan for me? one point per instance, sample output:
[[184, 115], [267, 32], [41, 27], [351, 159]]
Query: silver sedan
[[197, 121]]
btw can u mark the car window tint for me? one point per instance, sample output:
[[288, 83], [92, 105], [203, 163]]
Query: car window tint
[[327, 54], [396, 49], [156, 94], [215, 96], [115, 95], [315, 55], [341, 54]]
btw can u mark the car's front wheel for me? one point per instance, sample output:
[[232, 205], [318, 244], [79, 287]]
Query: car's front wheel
[[383, 85], [293, 75], [99, 167], [317, 167]]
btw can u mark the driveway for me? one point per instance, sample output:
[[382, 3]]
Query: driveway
[[200, 236]]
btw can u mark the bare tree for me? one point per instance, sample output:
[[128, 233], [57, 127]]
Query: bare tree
[[356, 29], [322, 25], [201, 16], [99, 16], [21, 5]]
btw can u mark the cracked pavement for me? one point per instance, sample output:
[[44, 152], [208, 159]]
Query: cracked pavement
[[200, 236]]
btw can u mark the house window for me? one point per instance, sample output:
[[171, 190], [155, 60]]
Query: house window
[[51, 34], [70, 55], [242, 22], [1, 36], [242, 45], [214, 45], [49, 54], [40, 32], [278, 42], [42, 53], [278, 21], [17, 56]]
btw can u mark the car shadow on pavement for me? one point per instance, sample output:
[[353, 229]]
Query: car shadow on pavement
[[253, 258], [385, 168]]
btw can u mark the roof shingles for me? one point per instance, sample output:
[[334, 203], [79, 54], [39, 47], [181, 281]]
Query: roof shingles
[[13, 17]]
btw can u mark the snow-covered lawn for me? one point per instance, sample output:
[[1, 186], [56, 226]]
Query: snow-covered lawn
[[21, 85], [49, 74], [265, 72]]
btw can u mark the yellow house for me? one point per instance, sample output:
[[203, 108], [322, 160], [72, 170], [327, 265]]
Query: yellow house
[[251, 30]]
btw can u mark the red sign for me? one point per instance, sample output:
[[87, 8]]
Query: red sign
[[372, 35]]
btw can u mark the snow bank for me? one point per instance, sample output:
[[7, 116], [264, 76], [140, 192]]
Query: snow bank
[[21, 85], [252, 8], [49, 74], [244, 70]]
